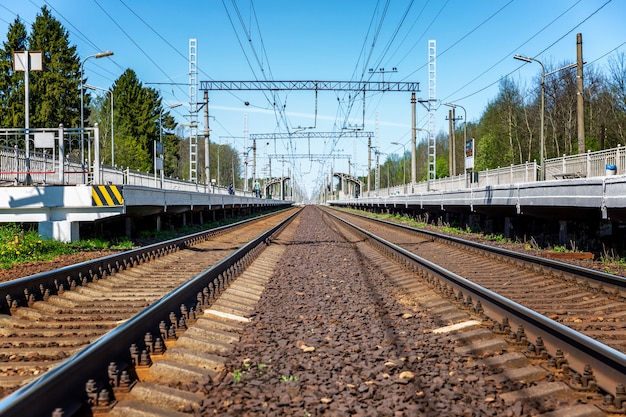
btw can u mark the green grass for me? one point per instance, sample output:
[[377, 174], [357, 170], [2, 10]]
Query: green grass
[[18, 246]]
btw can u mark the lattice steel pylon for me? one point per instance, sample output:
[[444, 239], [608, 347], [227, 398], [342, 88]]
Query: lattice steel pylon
[[193, 110], [432, 98]]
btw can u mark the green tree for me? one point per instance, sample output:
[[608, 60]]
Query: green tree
[[228, 162], [486, 153], [12, 82], [500, 125], [137, 111], [53, 91], [171, 146]]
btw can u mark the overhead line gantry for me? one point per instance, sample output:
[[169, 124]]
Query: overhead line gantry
[[312, 135], [318, 85], [379, 86]]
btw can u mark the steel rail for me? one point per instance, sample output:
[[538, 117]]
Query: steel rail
[[612, 280], [608, 364], [17, 292], [63, 387]]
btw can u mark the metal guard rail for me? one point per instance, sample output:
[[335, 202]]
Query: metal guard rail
[[51, 391], [609, 361]]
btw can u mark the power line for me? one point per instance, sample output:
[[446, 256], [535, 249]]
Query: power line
[[133, 40], [509, 54], [154, 31]]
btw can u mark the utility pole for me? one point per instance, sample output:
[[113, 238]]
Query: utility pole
[[369, 161], [580, 112], [413, 141], [207, 142], [451, 142]]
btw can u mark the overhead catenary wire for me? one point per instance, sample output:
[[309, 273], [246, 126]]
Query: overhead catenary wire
[[130, 38], [509, 54]]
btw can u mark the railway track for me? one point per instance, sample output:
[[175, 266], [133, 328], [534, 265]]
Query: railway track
[[352, 329], [587, 302], [62, 312]]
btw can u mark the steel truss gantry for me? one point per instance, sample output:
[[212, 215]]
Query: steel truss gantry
[[380, 86], [273, 183], [312, 135], [349, 185], [310, 156]]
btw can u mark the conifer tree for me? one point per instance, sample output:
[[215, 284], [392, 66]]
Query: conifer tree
[[54, 91], [12, 82], [137, 110]]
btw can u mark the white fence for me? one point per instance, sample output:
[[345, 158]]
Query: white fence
[[513, 174], [45, 170], [53, 157], [45, 167], [590, 164]]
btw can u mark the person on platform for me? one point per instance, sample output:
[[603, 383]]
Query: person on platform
[[257, 189]]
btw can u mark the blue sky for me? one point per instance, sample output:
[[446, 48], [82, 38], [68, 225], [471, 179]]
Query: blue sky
[[338, 40]]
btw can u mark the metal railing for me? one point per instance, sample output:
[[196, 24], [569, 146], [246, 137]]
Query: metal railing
[[590, 164], [607, 162], [44, 170], [528, 172]]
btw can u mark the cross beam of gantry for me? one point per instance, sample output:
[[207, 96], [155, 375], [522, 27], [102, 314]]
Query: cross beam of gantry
[[261, 85], [310, 156], [312, 135]]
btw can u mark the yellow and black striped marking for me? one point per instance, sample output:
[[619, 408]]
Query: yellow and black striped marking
[[106, 195]]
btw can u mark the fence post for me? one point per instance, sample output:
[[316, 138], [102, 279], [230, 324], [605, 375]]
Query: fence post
[[96, 153], [61, 154], [588, 163], [17, 166]]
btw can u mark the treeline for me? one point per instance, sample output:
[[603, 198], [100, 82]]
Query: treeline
[[508, 132], [138, 110]]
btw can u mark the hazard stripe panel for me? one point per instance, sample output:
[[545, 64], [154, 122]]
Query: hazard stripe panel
[[106, 195]]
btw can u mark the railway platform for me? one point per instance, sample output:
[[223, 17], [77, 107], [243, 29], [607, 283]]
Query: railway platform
[[59, 209], [603, 197]]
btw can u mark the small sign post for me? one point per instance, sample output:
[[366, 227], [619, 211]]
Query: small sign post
[[469, 158], [27, 61]]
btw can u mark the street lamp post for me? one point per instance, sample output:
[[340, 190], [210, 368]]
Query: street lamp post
[[93, 87], [173, 106], [403, 160], [82, 104], [541, 138], [544, 74]]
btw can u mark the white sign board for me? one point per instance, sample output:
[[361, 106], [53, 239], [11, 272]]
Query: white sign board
[[469, 154], [20, 62], [44, 140]]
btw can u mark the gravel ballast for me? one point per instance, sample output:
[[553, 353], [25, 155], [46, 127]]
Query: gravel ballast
[[333, 335]]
